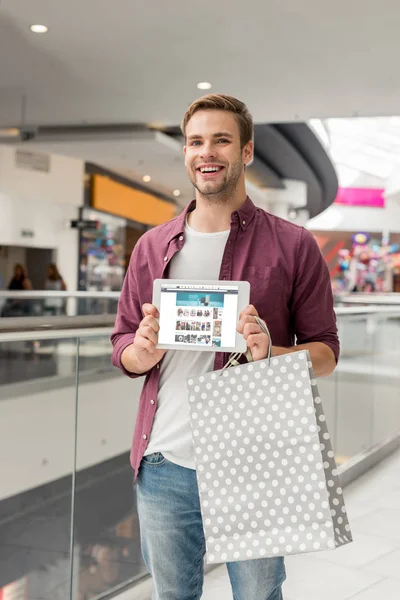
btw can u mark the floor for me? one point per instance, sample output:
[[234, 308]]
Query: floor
[[367, 569]]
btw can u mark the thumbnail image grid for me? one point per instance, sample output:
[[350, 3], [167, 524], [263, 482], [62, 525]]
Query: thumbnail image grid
[[201, 314]]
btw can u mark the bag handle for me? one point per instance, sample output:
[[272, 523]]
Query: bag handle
[[234, 358]]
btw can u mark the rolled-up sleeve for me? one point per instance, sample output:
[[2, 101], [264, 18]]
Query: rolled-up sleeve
[[128, 318], [312, 307]]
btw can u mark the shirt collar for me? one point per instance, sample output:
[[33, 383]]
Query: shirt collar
[[245, 215]]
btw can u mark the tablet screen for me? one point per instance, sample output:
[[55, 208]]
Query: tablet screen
[[199, 315]]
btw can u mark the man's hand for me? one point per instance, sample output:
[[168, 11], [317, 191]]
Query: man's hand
[[142, 355], [257, 340]]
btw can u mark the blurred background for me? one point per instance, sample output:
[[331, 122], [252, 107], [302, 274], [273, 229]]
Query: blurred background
[[91, 99]]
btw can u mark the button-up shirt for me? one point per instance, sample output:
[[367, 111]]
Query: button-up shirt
[[289, 286]]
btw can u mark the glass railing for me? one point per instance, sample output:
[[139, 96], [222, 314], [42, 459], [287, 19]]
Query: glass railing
[[45, 303], [68, 521], [368, 299]]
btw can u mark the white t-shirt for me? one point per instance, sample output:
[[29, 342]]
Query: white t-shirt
[[200, 258]]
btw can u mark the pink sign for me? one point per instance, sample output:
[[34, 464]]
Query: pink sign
[[372, 197]]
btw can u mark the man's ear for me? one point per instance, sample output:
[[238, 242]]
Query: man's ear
[[247, 153]]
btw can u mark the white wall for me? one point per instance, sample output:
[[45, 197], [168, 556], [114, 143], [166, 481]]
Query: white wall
[[42, 203], [357, 218], [63, 184], [49, 224], [37, 431]]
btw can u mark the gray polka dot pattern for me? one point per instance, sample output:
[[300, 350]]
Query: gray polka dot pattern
[[266, 471]]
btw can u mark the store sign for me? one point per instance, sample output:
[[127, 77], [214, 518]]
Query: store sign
[[84, 224], [372, 197], [27, 233]]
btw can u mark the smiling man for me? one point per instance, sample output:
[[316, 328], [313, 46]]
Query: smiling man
[[220, 235]]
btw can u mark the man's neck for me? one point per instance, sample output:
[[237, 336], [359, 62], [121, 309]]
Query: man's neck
[[211, 217]]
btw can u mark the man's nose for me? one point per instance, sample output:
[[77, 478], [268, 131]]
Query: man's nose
[[208, 150]]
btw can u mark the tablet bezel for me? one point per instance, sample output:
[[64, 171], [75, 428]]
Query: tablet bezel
[[243, 302]]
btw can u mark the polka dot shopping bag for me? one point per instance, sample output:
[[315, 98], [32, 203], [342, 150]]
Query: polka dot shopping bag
[[267, 476]]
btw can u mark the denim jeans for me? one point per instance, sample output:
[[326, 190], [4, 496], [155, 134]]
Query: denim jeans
[[173, 544]]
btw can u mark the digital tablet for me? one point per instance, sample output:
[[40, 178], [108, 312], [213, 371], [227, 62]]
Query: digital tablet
[[200, 315]]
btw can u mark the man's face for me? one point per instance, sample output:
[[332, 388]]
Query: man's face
[[213, 158]]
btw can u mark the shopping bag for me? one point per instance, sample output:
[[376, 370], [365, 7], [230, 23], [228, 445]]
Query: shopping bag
[[266, 471]]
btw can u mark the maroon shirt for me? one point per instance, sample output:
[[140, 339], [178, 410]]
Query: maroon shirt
[[289, 282]]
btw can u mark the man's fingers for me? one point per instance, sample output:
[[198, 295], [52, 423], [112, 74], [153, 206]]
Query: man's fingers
[[150, 322], [244, 320], [250, 328], [144, 344], [147, 332], [151, 310], [256, 339], [249, 310]]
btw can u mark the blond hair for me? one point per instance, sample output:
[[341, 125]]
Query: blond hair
[[227, 103]]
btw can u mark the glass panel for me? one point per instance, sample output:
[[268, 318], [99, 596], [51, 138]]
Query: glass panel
[[55, 305], [355, 387], [366, 384], [107, 545], [20, 307], [37, 424], [47, 360], [386, 407], [92, 306]]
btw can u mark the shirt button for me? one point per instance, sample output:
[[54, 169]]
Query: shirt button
[[152, 402], [158, 366], [165, 258], [181, 238], [244, 222], [144, 436]]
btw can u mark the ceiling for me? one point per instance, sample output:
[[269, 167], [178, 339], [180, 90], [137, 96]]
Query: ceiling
[[138, 62]]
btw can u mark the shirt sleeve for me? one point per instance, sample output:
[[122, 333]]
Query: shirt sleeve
[[128, 318], [313, 315]]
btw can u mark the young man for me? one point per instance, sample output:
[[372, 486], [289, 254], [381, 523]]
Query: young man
[[220, 235]]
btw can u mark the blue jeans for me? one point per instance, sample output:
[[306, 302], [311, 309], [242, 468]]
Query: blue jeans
[[173, 544]]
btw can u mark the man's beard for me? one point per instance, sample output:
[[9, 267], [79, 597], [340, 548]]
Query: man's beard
[[222, 193]]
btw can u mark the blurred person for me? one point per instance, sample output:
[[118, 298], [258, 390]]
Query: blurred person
[[19, 282], [290, 290], [54, 283]]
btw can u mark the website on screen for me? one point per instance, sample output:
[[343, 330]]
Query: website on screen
[[198, 315]]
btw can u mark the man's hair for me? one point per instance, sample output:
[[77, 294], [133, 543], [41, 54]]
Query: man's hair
[[222, 102]]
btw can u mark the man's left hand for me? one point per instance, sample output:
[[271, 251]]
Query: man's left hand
[[257, 340]]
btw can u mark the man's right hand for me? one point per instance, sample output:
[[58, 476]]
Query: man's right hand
[[142, 355]]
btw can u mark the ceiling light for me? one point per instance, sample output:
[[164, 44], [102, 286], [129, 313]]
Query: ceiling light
[[39, 28], [176, 193], [10, 132], [204, 85], [146, 178]]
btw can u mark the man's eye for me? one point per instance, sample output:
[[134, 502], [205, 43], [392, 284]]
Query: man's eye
[[195, 142], [223, 140]]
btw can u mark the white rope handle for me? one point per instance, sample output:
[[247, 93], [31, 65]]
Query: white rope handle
[[234, 358]]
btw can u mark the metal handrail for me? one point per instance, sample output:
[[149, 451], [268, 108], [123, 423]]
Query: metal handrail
[[39, 294], [51, 328], [367, 310], [85, 326], [390, 298], [9, 324]]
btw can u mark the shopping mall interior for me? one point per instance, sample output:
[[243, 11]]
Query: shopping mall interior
[[91, 159]]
